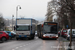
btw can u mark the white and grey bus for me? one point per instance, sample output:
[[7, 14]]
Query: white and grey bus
[[48, 30]]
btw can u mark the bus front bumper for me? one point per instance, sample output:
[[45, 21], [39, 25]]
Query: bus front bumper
[[22, 36], [50, 36]]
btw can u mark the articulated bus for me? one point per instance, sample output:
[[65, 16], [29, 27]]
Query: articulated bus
[[47, 30]]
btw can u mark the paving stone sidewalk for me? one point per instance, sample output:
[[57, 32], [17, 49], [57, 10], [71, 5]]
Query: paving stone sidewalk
[[63, 43]]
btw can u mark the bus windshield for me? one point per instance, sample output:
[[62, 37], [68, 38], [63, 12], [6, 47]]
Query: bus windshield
[[22, 28], [50, 29]]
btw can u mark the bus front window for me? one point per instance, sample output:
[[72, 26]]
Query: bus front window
[[23, 28], [50, 28]]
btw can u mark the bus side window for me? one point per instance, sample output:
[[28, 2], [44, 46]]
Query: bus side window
[[17, 26], [41, 28], [31, 27]]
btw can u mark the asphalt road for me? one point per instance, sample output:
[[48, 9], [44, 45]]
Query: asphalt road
[[36, 44]]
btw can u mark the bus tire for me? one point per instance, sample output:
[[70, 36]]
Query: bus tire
[[43, 38], [55, 39], [32, 37], [17, 38], [29, 38]]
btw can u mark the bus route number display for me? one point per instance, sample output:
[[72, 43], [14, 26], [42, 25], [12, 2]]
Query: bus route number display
[[50, 24]]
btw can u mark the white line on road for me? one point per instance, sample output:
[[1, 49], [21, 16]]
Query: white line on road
[[23, 45], [36, 37], [13, 49], [16, 47], [58, 48], [26, 44], [20, 46]]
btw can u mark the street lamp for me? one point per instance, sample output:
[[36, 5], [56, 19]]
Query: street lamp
[[12, 22], [17, 10]]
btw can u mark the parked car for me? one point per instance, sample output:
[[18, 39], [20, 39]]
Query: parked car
[[59, 32], [63, 31], [14, 34], [68, 34], [3, 36], [11, 34]]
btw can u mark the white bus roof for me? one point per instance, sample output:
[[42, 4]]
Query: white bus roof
[[23, 24]]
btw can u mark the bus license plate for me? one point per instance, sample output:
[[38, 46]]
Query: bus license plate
[[50, 36], [22, 36]]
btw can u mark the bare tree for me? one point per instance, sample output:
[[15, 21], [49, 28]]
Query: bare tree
[[51, 10], [67, 11]]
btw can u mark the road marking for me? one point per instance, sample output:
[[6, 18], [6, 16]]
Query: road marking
[[13, 49], [29, 43], [26, 44], [20, 46], [17, 47], [36, 37], [23, 45], [58, 48]]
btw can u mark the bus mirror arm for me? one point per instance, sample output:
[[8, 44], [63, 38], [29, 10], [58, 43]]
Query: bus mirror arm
[[14, 27], [31, 27]]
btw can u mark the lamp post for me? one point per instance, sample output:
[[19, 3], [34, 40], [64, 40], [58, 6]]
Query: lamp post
[[12, 22], [17, 10]]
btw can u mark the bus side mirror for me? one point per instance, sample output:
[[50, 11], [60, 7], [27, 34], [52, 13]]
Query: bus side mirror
[[31, 27], [14, 27]]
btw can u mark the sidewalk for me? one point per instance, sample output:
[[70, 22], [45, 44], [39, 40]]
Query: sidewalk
[[64, 43]]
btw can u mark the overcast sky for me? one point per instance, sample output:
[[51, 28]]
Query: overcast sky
[[36, 9]]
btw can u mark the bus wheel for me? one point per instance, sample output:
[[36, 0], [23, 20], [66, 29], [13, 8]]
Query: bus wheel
[[29, 38], [17, 38], [33, 37], [43, 38], [55, 39]]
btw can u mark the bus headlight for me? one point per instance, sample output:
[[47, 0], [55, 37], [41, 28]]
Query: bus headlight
[[56, 35], [44, 35]]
